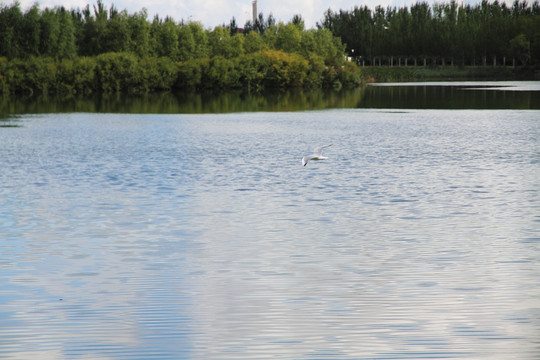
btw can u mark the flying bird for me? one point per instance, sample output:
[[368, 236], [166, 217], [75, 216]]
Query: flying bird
[[317, 155]]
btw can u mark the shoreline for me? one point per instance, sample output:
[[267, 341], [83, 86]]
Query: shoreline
[[448, 73], [125, 73]]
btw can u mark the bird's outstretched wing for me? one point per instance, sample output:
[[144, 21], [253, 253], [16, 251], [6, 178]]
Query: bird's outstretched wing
[[318, 151]]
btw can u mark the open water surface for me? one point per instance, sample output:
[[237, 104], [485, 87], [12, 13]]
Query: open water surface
[[202, 236]]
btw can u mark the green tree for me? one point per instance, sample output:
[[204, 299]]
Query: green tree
[[117, 72], [29, 32], [298, 22], [186, 43], [164, 37], [66, 46], [289, 37], [519, 47], [139, 29], [200, 36], [49, 32], [329, 47], [260, 24], [117, 35], [220, 74], [253, 42], [399, 32], [57, 34], [421, 30], [233, 27], [10, 29], [221, 43], [92, 36], [190, 74], [361, 46]]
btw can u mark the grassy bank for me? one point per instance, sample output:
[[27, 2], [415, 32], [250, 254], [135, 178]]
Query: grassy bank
[[446, 73]]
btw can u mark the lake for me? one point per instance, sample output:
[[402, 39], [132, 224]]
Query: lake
[[132, 234], [500, 95]]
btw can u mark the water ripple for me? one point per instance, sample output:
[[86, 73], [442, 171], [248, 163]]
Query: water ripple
[[203, 237]]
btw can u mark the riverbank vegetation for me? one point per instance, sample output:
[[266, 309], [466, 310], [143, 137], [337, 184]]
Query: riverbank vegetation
[[100, 49], [446, 73], [82, 51], [125, 72]]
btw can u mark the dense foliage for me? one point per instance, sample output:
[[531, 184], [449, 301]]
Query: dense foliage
[[446, 33], [56, 50], [126, 72], [96, 49]]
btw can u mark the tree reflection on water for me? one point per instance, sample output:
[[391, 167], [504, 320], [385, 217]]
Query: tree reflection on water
[[388, 96]]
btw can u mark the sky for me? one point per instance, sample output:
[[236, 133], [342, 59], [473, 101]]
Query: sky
[[213, 13]]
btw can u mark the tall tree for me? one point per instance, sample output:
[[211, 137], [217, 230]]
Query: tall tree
[[139, 29], [29, 32], [10, 29], [165, 38], [66, 46]]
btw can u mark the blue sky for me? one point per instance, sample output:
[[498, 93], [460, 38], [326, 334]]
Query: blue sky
[[216, 12]]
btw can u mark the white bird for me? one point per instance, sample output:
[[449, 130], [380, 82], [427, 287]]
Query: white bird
[[317, 155]]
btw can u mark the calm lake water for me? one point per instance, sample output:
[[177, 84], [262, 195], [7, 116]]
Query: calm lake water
[[523, 95], [202, 236]]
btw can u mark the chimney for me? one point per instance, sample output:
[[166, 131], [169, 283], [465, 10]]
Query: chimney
[[254, 3]]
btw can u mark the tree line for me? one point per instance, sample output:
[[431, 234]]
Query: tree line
[[105, 49], [489, 33]]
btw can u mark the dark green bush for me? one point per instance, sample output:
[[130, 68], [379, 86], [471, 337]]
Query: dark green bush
[[117, 72], [155, 74], [77, 76], [32, 75], [190, 74], [125, 72]]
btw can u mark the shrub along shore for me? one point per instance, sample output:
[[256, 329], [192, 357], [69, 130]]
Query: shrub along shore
[[263, 70], [125, 72]]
